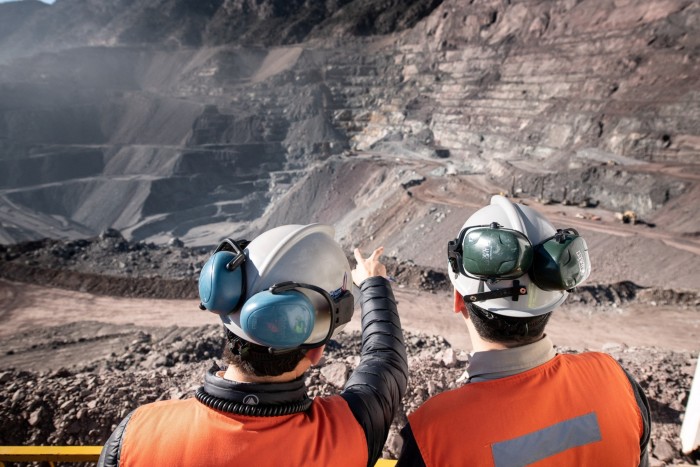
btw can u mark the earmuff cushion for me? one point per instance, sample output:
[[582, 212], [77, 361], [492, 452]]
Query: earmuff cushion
[[281, 321], [220, 289]]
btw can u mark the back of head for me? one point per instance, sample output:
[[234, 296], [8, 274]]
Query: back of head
[[284, 291], [510, 261]]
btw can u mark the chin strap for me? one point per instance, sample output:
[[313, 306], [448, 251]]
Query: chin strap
[[513, 292]]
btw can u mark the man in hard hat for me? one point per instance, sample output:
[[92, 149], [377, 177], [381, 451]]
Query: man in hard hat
[[281, 298], [522, 402]]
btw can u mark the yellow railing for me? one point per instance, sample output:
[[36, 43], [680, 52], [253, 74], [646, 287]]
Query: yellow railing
[[49, 454], [53, 454]]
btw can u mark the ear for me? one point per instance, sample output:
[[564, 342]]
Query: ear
[[459, 305], [314, 355]]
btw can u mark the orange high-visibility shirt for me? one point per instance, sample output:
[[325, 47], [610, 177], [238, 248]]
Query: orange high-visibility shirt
[[574, 410], [188, 433]]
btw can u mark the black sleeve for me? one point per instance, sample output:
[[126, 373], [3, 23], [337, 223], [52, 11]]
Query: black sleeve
[[376, 387], [112, 450], [410, 453], [643, 404]]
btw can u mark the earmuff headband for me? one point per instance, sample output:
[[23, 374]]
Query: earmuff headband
[[235, 246], [513, 292]]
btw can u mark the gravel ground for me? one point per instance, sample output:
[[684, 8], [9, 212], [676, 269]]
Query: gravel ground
[[71, 384], [81, 404]]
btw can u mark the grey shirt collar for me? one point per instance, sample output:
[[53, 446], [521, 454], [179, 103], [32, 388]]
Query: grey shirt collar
[[495, 364]]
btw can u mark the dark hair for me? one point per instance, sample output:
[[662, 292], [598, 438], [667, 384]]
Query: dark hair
[[507, 330], [253, 359]]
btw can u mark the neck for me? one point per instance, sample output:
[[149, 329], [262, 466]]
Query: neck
[[233, 373], [483, 346], [479, 344]]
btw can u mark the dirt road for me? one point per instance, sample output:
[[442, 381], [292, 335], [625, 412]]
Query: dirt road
[[25, 306]]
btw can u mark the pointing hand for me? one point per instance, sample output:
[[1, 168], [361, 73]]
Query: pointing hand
[[369, 267]]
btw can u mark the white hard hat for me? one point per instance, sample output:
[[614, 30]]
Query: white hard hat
[[537, 229], [298, 253]]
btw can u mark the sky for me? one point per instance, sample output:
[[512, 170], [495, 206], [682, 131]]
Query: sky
[[45, 1]]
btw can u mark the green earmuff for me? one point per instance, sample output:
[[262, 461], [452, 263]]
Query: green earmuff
[[561, 262], [494, 252], [491, 252]]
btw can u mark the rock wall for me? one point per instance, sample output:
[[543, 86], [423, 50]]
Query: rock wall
[[205, 135], [531, 79]]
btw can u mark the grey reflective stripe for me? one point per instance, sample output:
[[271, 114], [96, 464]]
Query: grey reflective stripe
[[533, 447]]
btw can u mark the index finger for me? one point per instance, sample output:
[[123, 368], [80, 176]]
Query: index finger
[[358, 256]]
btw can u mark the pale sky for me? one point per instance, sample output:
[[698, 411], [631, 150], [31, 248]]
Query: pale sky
[[45, 1]]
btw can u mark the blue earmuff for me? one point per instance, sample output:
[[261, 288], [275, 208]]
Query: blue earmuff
[[280, 317], [220, 288], [281, 320]]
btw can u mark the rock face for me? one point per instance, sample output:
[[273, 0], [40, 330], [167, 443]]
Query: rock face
[[205, 119]]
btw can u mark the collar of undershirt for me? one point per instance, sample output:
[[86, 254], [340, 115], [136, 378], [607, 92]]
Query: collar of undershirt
[[495, 364]]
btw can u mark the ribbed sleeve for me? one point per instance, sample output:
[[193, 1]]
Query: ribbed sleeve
[[376, 387]]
